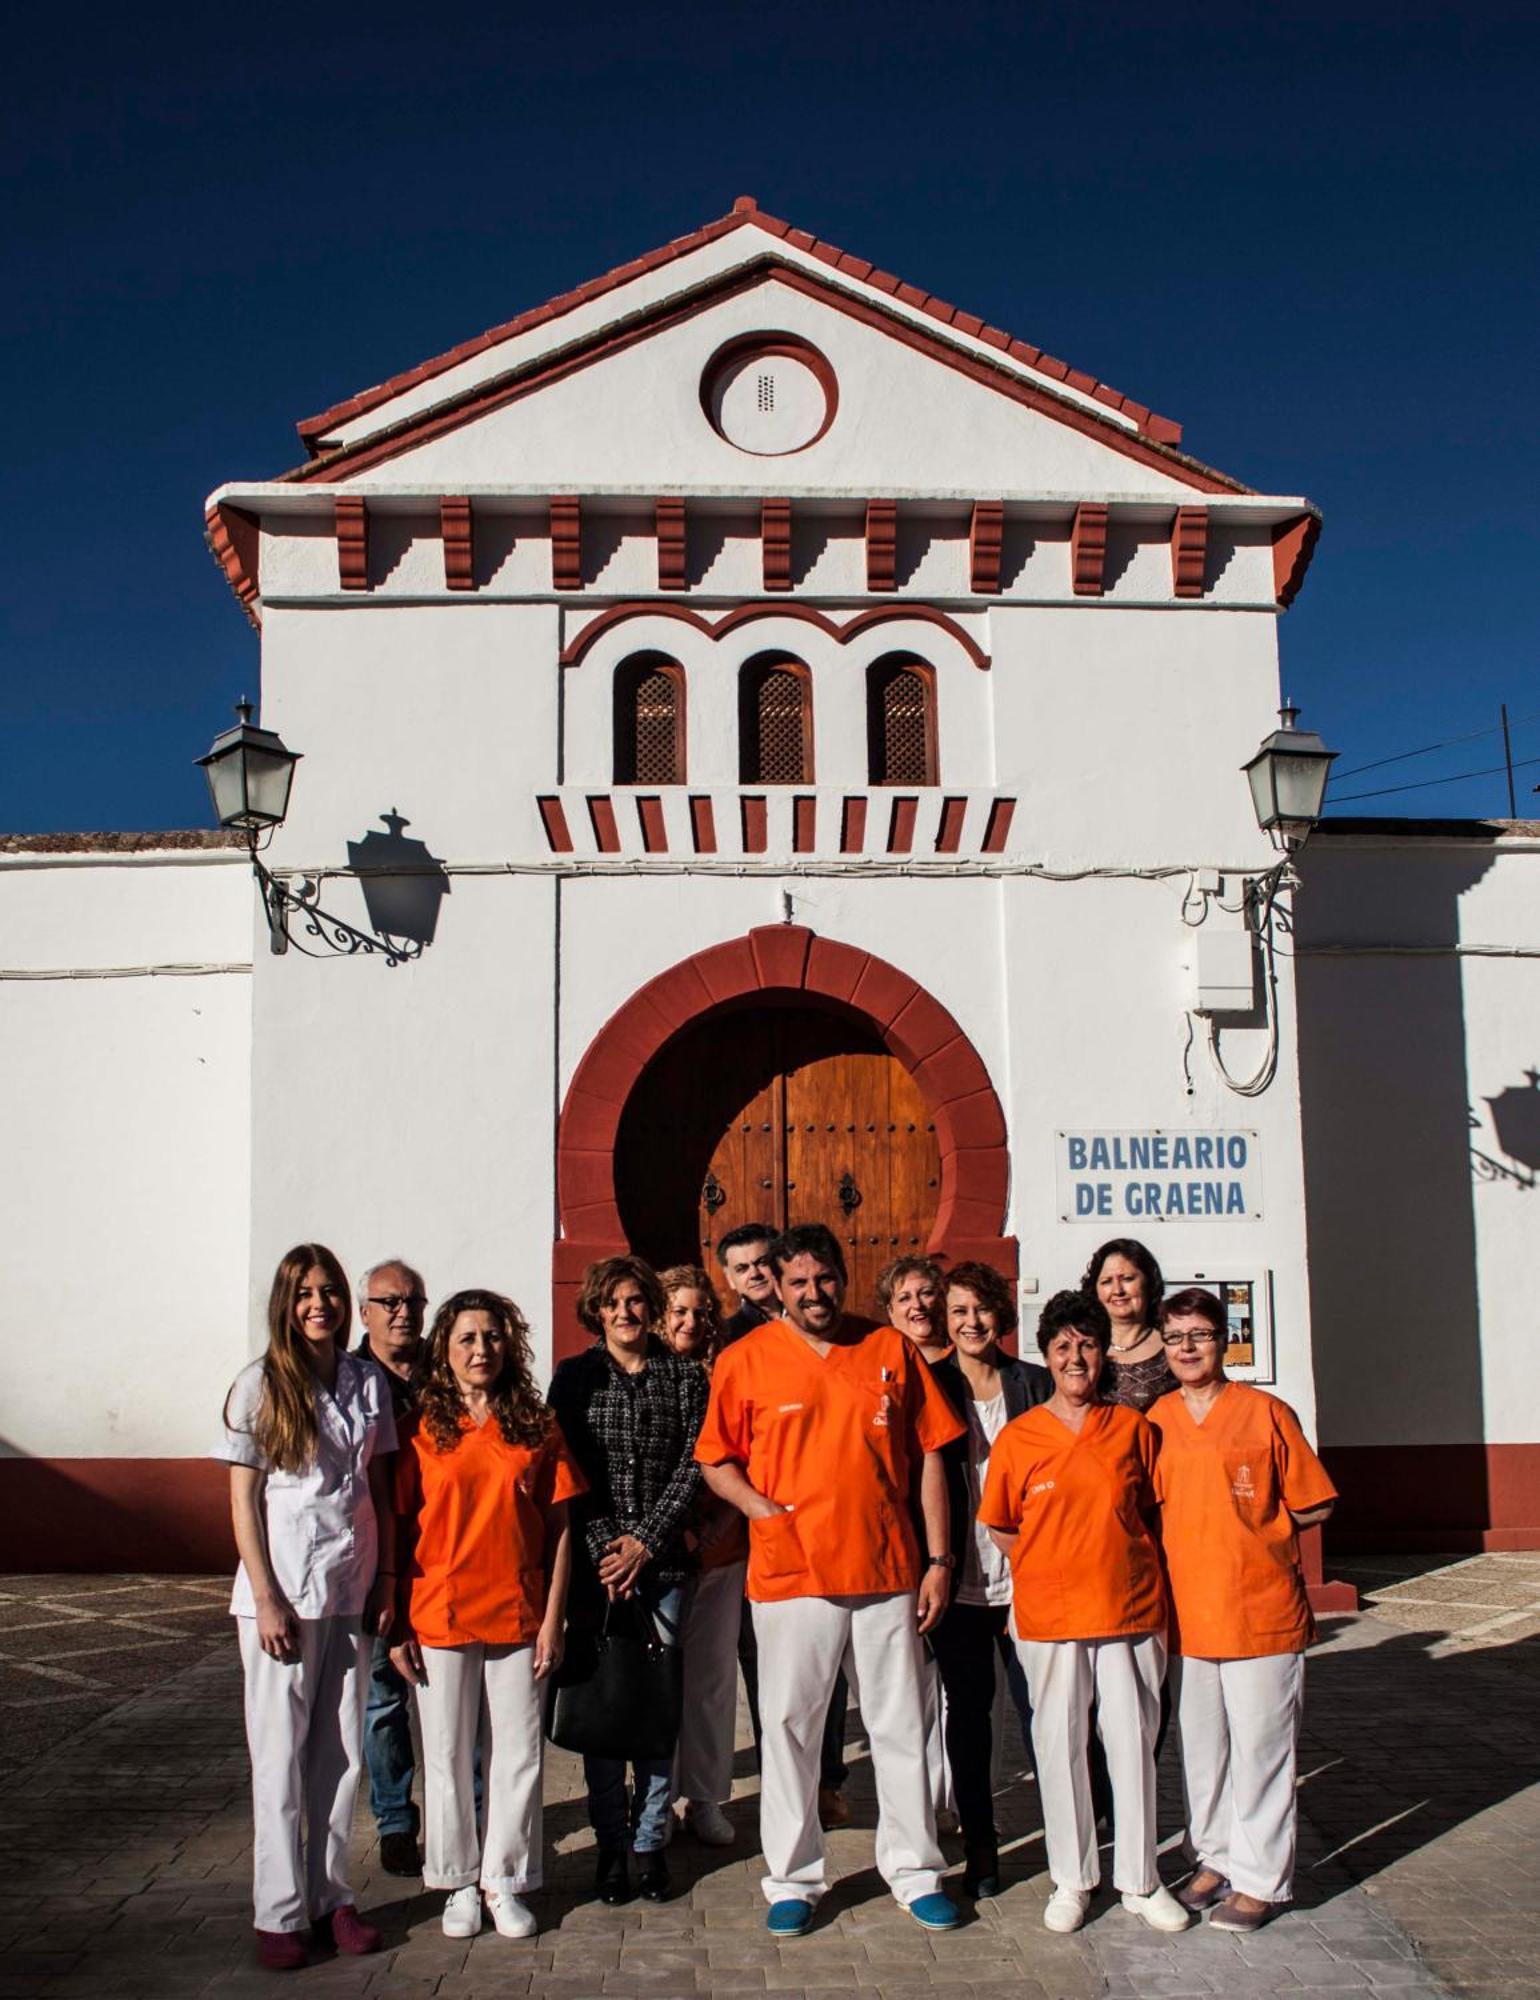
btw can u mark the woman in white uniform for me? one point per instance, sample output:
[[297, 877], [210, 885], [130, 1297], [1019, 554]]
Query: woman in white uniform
[[305, 1430], [703, 1765]]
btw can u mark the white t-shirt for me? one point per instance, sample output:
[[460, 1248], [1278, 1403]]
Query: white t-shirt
[[986, 1577], [322, 1537]]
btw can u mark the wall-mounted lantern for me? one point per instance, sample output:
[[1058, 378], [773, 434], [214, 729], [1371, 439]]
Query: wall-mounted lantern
[[1288, 781]]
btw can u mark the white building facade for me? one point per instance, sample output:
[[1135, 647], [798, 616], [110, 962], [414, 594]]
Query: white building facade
[[781, 737]]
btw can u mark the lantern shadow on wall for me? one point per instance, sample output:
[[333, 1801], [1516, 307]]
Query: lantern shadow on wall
[[1516, 1122]]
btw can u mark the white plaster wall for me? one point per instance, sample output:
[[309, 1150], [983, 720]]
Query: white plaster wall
[[903, 420], [1421, 1263], [1123, 732], [124, 1174], [409, 1110], [448, 713]]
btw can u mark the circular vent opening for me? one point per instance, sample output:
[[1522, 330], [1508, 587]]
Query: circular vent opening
[[769, 394]]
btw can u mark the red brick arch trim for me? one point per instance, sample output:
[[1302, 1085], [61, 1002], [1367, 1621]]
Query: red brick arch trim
[[747, 614], [779, 961]]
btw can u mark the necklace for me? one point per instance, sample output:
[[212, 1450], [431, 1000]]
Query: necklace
[[1128, 1346]]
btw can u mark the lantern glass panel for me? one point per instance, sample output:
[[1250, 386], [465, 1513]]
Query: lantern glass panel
[[269, 774], [226, 774], [1300, 784]]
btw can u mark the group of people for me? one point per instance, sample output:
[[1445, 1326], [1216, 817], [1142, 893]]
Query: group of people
[[907, 1510]]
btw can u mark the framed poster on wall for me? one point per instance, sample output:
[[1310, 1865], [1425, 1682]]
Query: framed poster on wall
[[1248, 1304]]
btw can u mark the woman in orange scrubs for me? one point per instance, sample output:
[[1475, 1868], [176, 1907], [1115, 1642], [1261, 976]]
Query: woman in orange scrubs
[[483, 1481], [1235, 1480], [1069, 1498]]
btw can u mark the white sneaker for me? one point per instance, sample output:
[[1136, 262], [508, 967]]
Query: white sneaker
[[511, 1914], [709, 1823], [462, 1913], [1160, 1909], [1066, 1909]]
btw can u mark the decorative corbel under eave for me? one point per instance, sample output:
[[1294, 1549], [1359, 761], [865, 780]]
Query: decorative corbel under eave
[[235, 542], [986, 534], [352, 521], [881, 544], [1293, 546], [1088, 548], [673, 540], [457, 526], [566, 543], [775, 543], [1189, 551]]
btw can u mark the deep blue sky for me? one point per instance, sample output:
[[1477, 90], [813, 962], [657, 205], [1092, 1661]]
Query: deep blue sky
[[1308, 233]]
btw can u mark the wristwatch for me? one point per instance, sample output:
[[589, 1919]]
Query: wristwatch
[[941, 1562]]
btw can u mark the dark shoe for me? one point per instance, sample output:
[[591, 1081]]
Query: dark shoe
[[612, 1878], [833, 1811], [349, 1933], [1244, 1913], [1207, 1886], [981, 1870], [398, 1854], [281, 1951], [652, 1876]]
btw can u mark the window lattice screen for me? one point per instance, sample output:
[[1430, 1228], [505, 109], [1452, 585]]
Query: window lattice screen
[[779, 727], [656, 714], [904, 754]]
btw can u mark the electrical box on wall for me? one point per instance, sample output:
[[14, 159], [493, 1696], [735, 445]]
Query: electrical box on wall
[[1224, 972]]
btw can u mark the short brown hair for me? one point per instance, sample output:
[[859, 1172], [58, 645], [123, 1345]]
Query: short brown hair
[[990, 1288], [600, 1281], [892, 1276], [1194, 1301]]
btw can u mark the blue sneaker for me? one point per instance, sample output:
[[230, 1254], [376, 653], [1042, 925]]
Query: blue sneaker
[[935, 1913], [791, 1917]]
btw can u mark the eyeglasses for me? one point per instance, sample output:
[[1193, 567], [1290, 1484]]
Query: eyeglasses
[[1179, 1339], [399, 1302]]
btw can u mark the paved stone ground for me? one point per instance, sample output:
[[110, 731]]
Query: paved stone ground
[[125, 1846]]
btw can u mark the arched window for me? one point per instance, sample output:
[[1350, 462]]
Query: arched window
[[649, 721], [775, 722], [901, 722]]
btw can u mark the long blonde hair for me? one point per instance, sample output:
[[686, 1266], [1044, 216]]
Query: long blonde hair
[[285, 1428]]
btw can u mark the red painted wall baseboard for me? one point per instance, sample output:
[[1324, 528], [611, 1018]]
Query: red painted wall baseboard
[[165, 1516], [1455, 1498]]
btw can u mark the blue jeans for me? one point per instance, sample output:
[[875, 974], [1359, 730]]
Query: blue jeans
[[647, 1826], [388, 1745]]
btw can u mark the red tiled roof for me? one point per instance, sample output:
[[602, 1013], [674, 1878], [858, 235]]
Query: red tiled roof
[[1159, 430]]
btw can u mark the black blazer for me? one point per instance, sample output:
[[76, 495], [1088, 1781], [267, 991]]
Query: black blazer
[[1026, 1384]]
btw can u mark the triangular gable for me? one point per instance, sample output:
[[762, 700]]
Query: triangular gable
[[572, 331]]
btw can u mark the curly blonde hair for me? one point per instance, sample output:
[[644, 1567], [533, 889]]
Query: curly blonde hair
[[515, 1402]]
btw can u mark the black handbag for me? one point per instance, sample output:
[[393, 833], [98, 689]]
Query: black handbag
[[619, 1691]]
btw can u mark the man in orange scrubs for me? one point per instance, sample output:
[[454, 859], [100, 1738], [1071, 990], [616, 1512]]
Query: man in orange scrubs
[[1235, 1479], [815, 1426]]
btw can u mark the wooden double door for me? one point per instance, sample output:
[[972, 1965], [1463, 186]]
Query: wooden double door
[[778, 1114]]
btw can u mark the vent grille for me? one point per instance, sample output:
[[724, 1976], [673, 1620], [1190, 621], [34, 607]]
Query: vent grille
[[766, 392], [904, 746], [657, 730], [781, 746]]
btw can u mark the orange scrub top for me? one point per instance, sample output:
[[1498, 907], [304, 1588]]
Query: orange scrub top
[[1085, 1564], [1227, 1487], [833, 1438], [479, 1512]]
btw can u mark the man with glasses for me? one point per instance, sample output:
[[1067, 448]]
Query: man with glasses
[[391, 1301]]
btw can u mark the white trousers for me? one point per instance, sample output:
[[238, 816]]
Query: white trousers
[[1125, 1676], [703, 1765], [305, 1731], [487, 1694], [1240, 1731], [803, 1643]]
